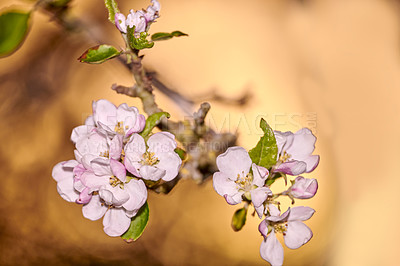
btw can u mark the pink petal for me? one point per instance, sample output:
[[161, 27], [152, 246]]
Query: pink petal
[[132, 167], [301, 213], [116, 222], [260, 210], [260, 174], [137, 195], [94, 210], [161, 142], [120, 22], [283, 140], [94, 182], [171, 163], [81, 132], [127, 115], [312, 162], [263, 228], [139, 125], [234, 161], [84, 197], [271, 250], [116, 145], [118, 170], [234, 199], [90, 121], [105, 112], [304, 188], [297, 234], [280, 218], [292, 168]]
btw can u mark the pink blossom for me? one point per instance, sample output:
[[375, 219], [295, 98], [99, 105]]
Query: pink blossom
[[295, 233], [295, 152], [303, 188], [234, 180], [63, 174], [112, 120], [158, 161]]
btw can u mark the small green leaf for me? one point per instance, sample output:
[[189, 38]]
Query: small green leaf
[[153, 121], [266, 151], [112, 7], [99, 54], [162, 36], [182, 153], [239, 219], [138, 224], [138, 43], [13, 30]]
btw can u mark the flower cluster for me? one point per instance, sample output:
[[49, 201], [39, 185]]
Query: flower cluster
[[240, 179], [140, 20], [112, 163]]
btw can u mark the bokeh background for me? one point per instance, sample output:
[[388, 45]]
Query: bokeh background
[[331, 65]]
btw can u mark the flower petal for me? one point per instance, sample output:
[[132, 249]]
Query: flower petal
[[303, 143], [234, 199], [139, 125], [81, 132], [151, 173], [263, 228], [271, 250], [115, 196], [94, 210], [260, 174], [101, 167], [66, 189], [233, 162], [104, 112], [94, 182], [223, 185], [116, 222], [118, 170], [297, 234], [84, 197], [116, 147], [301, 213], [161, 142], [127, 115], [259, 195], [64, 170], [171, 163], [135, 148], [137, 195], [312, 162], [292, 168]]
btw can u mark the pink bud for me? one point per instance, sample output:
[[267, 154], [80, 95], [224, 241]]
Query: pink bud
[[84, 197], [304, 188]]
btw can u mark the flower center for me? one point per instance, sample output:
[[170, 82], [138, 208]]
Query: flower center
[[119, 128], [244, 181], [280, 228], [284, 157], [105, 154], [149, 159], [114, 181]]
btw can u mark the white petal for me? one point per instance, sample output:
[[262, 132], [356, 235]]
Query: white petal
[[161, 142], [105, 112], [64, 170], [113, 195], [66, 190], [259, 195], [271, 250], [297, 234], [260, 174], [151, 173], [135, 148], [171, 163], [292, 168], [234, 161], [127, 115], [81, 132], [223, 185], [303, 144], [94, 210], [101, 167], [116, 222], [301, 213], [137, 195]]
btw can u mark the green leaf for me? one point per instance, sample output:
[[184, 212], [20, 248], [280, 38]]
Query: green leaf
[[182, 153], [99, 54], [239, 219], [266, 151], [153, 121], [112, 7], [138, 224], [138, 43], [162, 36], [13, 30]]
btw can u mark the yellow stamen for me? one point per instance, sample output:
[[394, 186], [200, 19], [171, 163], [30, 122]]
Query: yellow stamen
[[114, 181], [284, 157], [119, 128], [149, 159]]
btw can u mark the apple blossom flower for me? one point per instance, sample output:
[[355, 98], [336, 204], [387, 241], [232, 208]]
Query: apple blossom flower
[[234, 179], [295, 152], [295, 233], [303, 188], [140, 19], [158, 161], [123, 120]]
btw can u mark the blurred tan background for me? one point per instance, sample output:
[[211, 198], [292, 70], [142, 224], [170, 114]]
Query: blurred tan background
[[331, 65]]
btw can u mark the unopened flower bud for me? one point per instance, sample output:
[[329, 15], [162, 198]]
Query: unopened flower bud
[[303, 188]]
